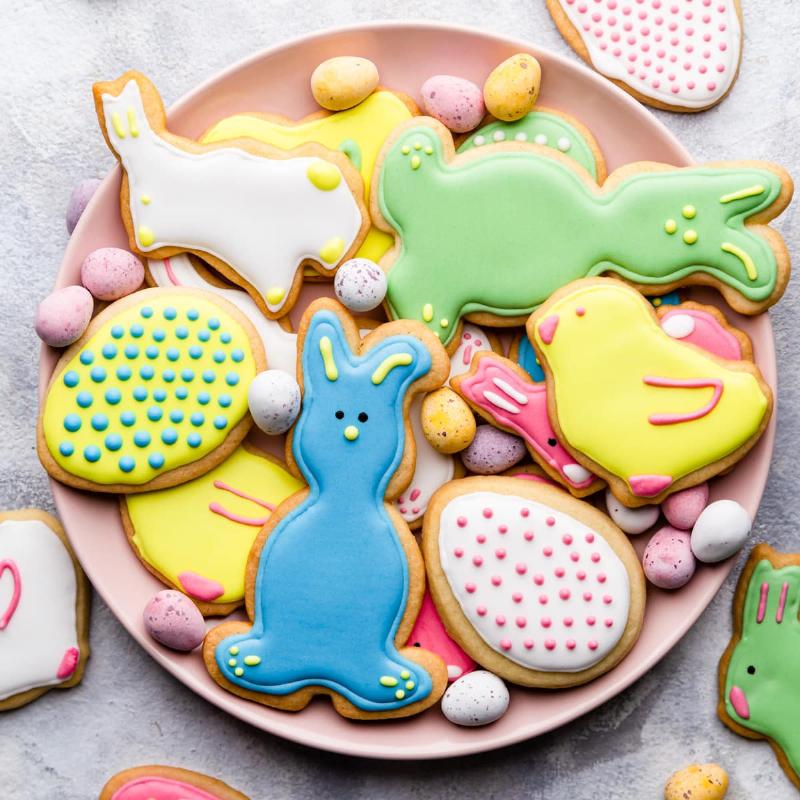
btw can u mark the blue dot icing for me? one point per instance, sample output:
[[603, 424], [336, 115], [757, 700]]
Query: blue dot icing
[[173, 354], [113, 442], [123, 373], [203, 398], [87, 356], [195, 351], [137, 330], [213, 323], [154, 413], [151, 351], [169, 436], [98, 374], [181, 393], [209, 376], [131, 351], [170, 313], [168, 375], [219, 356], [225, 337], [140, 393], [225, 400], [204, 335], [231, 379], [159, 335], [109, 351], [182, 332], [84, 399], [113, 396], [141, 438], [66, 448], [155, 460], [176, 416], [118, 331], [147, 372], [71, 379], [220, 423], [194, 439], [146, 312], [237, 355], [187, 375], [72, 422], [127, 464], [91, 453], [159, 395], [193, 314], [197, 419], [127, 418], [99, 422]]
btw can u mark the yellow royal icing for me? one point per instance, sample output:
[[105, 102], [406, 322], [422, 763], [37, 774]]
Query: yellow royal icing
[[614, 373], [206, 526], [367, 125]]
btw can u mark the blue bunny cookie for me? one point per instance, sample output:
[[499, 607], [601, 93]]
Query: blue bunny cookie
[[335, 579]]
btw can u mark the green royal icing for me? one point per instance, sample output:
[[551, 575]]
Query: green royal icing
[[501, 233], [538, 127], [771, 649]]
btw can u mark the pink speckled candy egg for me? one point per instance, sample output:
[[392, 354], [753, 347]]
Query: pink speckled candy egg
[[172, 619], [78, 200], [63, 316], [683, 508], [110, 273], [492, 451], [455, 102], [668, 559]]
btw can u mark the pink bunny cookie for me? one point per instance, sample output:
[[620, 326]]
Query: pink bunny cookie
[[166, 783]]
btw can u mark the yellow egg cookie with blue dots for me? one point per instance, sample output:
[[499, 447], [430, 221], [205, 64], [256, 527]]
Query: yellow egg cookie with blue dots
[[152, 395]]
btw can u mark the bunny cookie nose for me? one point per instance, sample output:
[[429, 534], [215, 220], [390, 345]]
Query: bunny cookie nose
[[351, 433]]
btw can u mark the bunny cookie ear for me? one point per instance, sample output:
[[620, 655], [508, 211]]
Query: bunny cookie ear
[[324, 348], [396, 362], [773, 596]]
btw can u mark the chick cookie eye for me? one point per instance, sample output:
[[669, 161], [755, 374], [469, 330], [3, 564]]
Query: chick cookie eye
[[751, 670], [339, 414], [362, 417]]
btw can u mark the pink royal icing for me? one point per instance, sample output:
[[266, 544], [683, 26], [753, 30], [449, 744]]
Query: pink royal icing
[[649, 485], [200, 587], [68, 663], [10, 566], [161, 789], [693, 383], [703, 330], [739, 702]]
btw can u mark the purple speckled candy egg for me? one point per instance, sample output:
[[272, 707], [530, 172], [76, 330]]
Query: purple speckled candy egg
[[274, 399], [492, 451], [455, 102], [683, 508], [360, 285], [110, 273], [172, 619], [63, 316], [78, 200], [668, 559]]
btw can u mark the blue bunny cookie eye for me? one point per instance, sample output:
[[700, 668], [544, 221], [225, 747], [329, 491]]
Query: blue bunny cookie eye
[[339, 414], [362, 417]]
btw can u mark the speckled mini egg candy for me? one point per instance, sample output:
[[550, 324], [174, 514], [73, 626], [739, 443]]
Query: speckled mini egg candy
[[455, 102], [720, 531], [158, 382], [492, 451], [78, 200], [63, 316], [343, 82], [360, 285], [477, 698], [683, 508], [631, 520], [274, 399], [512, 87], [668, 561], [697, 782], [172, 619], [447, 421], [110, 273]]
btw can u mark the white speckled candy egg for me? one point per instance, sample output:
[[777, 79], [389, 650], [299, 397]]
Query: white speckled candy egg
[[668, 560], [63, 316], [274, 399], [360, 285], [343, 82], [455, 102], [110, 273], [630, 520], [720, 530], [476, 698], [172, 619]]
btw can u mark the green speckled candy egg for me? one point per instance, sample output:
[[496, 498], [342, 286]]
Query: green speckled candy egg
[[158, 382]]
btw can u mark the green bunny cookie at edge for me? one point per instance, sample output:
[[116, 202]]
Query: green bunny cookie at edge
[[490, 234]]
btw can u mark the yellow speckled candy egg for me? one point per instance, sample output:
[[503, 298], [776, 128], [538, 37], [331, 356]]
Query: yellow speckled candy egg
[[447, 421], [343, 82], [698, 782], [512, 87]]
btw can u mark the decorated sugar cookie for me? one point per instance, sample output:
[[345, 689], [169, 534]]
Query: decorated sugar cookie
[[256, 212], [166, 783], [540, 588], [358, 132], [673, 415], [153, 394], [335, 579], [549, 128], [759, 695], [679, 55], [44, 609], [197, 536], [502, 393], [508, 224]]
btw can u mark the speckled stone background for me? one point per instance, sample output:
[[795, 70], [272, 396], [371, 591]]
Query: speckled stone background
[[128, 711]]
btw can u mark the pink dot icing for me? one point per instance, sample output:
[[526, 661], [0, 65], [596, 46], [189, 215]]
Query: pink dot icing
[[505, 644]]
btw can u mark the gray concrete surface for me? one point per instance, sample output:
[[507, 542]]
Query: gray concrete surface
[[128, 711]]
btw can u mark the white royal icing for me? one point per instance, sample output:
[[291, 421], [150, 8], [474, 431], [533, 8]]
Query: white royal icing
[[280, 345], [44, 625], [678, 326], [678, 52], [494, 550], [260, 216]]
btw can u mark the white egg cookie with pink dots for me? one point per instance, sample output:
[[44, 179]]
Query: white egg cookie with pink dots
[[537, 586]]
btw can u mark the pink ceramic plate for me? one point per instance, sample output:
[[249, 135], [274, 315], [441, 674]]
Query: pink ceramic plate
[[277, 80]]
